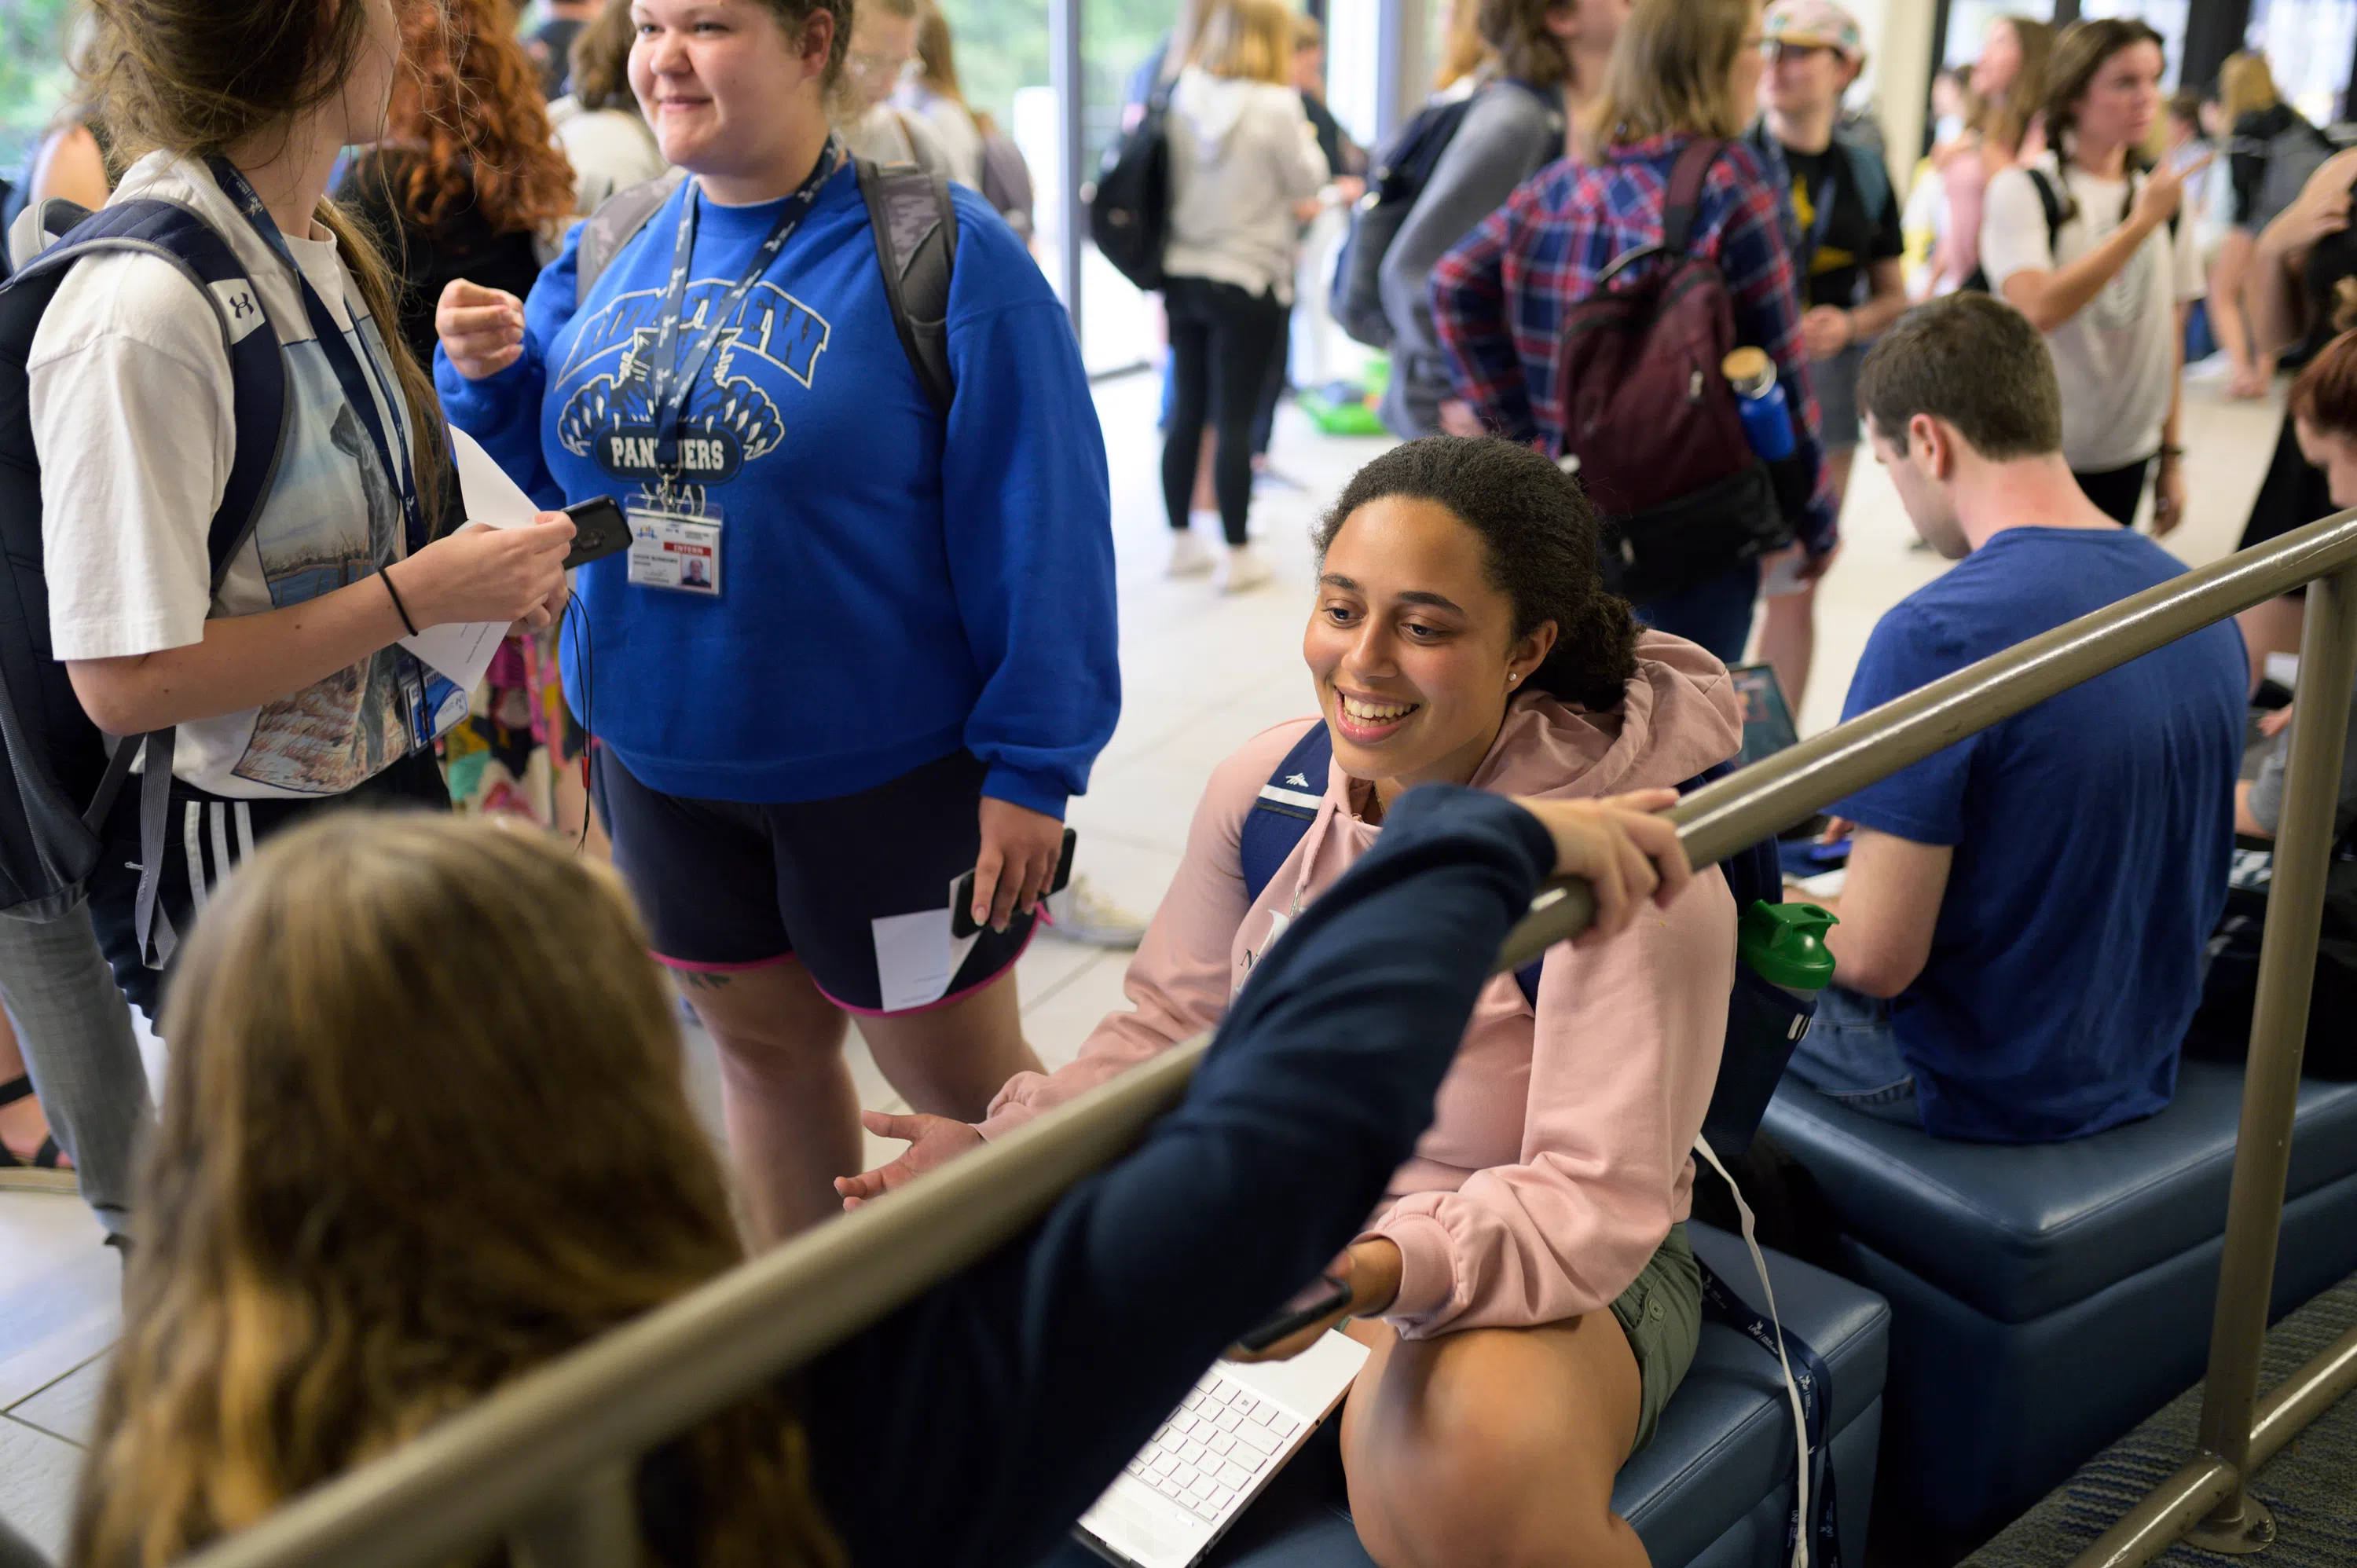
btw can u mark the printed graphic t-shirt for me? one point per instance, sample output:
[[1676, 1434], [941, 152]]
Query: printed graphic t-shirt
[[1853, 238], [132, 408], [2092, 834]]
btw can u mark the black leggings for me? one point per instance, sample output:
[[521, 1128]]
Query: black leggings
[[1222, 342]]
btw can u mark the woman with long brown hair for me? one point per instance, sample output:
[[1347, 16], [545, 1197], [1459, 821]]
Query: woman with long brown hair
[[2008, 86], [377, 1001], [2088, 243], [466, 182], [284, 683]]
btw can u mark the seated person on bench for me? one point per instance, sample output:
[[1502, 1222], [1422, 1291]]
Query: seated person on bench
[[2024, 920], [376, 1000], [1537, 1296]]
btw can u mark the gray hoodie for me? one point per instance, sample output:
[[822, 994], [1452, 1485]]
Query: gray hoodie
[[1241, 152], [1507, 136]]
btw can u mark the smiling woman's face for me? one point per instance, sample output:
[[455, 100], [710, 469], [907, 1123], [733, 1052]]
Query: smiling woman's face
[[1413, 649], [722, 83]]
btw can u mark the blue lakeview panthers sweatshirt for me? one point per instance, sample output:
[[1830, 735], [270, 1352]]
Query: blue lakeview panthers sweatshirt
[[894, 586]]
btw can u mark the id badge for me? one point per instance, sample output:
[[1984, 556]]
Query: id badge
[[675, 550]]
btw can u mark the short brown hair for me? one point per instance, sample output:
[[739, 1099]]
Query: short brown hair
[[1974, 362], [1247, 40], [1672, 73]]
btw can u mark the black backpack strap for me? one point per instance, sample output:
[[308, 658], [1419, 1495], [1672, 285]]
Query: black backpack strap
[[179, 235], [1684, 199], [614, 225], [914, 222], [2049, 201]]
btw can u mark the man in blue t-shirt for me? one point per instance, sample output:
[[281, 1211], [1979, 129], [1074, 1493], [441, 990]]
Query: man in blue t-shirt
[[2025, 913]]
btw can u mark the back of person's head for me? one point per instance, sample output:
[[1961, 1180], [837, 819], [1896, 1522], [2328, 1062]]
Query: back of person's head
[[201, 77], [1672, 72], [2245, 85], [425, 1130], [937, 56], [1246, 40], [1464, 52], [2185, 109], [1539, 536], [1973, 362], [1517, 35], [468, 106], [601, 59]]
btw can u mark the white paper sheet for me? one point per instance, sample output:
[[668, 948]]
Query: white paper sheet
[[464, 651], [916, 957]]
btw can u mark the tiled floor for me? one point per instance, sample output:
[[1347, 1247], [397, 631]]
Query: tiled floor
[[1201, 674]]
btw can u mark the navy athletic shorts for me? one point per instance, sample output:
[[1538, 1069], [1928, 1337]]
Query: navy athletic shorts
[[726, 887]]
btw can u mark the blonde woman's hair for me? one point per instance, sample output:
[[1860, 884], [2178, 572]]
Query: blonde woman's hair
[[2245, 85], [2006, 120], [1672, 73], [424, 1131], [1246, 40], [1466, 52]]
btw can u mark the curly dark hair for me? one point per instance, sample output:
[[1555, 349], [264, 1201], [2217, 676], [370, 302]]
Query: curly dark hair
[[469, 103], [1539, 536]]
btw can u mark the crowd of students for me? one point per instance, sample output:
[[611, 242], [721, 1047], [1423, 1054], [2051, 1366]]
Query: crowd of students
[[864, 640]]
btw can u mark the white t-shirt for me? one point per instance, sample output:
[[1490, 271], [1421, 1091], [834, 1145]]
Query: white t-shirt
[[609, 149], [2116, 358], [133, 414]]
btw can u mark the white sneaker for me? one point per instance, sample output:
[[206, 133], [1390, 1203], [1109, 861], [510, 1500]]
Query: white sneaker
[[1190, 556], [1083, 915], [1242, 570]]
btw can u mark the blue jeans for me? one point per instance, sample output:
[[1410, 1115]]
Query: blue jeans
[[1716, 614], [1851, 1055]]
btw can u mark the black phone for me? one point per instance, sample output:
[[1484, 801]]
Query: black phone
[[600, 529], [961, 923], [1324, 1298]]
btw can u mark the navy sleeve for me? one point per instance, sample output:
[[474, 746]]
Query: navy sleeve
[[1028, 514], [1924, 802], [970, 1429]]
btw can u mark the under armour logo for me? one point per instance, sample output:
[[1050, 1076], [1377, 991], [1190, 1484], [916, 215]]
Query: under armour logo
[[1297, 779], [240, 306]]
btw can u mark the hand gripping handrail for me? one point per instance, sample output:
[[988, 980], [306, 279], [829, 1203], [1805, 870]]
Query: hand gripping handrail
[[552, 1449]]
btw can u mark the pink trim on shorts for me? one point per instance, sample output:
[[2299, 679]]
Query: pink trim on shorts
[[994, 977], [682, 964]]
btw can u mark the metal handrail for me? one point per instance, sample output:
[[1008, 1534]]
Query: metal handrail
[[556, 1441]]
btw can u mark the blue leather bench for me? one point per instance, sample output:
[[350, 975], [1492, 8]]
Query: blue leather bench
[[2048, 1298], [1712, 1490]]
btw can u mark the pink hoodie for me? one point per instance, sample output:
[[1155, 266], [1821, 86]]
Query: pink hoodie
[[1558, 1157]]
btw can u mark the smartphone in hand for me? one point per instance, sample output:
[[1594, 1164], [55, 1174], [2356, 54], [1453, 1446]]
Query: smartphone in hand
[[962, 921], [600, 529], [1326, 1297]]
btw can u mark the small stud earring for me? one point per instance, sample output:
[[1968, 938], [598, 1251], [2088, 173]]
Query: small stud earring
[[1513, 680]]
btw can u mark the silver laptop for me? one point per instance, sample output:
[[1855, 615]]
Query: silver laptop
[[1215, 1452]]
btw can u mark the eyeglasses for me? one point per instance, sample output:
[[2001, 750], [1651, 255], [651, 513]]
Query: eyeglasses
[[1776, 51], [875, 66]]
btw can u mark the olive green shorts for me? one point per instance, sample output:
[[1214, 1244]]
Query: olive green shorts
[[1661, 1314]]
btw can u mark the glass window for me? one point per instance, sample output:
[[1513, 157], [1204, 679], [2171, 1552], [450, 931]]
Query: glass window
[[34, 82], [2309, 45]]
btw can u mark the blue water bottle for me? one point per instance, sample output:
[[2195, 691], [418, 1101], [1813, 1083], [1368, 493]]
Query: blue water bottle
[[1760, 399]]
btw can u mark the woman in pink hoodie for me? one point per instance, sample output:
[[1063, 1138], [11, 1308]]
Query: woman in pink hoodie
[[1535, 1298]]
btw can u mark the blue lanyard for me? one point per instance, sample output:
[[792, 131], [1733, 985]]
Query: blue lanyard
[[362, 388], [1810, 1375], [677, 366]]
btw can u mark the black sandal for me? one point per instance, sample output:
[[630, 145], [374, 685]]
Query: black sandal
[[41, 1172]]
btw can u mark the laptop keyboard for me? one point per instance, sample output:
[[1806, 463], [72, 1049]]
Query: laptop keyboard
[[1213, 1446]]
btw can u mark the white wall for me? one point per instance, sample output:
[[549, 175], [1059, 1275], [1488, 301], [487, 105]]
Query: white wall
[[1898, 79]]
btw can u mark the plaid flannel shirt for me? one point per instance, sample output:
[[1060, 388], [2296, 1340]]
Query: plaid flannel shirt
[[1498, 298]]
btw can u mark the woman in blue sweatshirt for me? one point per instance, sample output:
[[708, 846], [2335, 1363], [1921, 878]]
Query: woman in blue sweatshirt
[[859, 646]]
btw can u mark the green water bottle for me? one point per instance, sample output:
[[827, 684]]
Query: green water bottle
[[1785, 944]]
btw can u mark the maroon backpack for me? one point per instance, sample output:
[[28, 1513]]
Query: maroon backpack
[[1650, 418]]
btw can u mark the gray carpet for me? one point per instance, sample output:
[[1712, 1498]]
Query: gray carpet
[[2311, 1485]]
